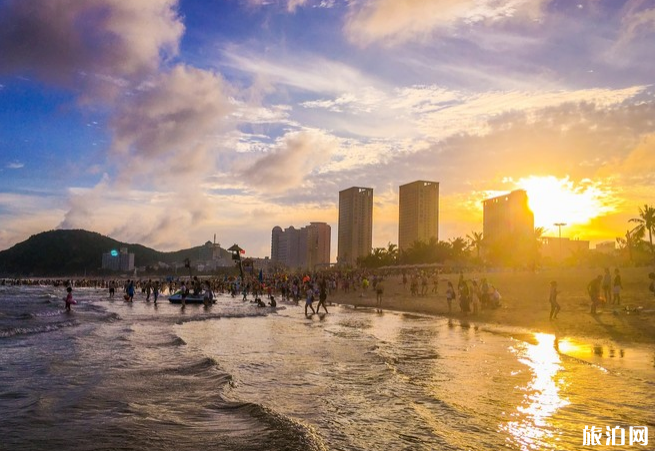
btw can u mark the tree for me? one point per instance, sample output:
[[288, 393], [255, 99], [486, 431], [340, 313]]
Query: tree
[[534, 246], [457, 248], [379, 257], [645, 224], [475, 241], [392, 253], [626, 243], [432, 251]]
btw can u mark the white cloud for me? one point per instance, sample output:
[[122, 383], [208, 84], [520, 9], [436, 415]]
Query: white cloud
[[638, 20], [394, 21], [15, 165], [295, 157], [293, 4], [305, 72], [169, 123]]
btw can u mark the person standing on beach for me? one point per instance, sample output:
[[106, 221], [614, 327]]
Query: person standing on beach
[[593, 288], [112, 288], [184, 291], [607, 286], [208, 297], [148, 289], [155, 291], [130, 291], [617, 287], [450, 296], [464, 297], [379, 291], [554, 305], [309, 300], [424, 284], [475, 296], [322, 295]]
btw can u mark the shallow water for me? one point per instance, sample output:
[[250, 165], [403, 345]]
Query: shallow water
[[113, 375]]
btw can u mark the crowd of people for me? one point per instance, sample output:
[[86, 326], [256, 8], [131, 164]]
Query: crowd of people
[[472, 296]]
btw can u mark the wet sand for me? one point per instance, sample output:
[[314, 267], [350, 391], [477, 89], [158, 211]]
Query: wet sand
[[525, 303]]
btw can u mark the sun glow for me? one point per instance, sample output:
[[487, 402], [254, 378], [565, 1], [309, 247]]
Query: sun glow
[[554, 200]]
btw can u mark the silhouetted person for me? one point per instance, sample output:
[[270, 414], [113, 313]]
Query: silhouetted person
[[593, 288], [554, 305]]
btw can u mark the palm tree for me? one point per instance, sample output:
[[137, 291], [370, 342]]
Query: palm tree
[[626, 244], [457, 246], [392, 252], [645, 223], [475, 240]]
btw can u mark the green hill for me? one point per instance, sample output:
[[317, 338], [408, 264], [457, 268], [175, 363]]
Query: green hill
[[76, 252]]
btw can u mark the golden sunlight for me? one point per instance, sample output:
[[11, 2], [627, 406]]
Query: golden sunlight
[[554, 200]]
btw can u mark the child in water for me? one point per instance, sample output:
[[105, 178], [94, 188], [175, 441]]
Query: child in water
[[69, 299]]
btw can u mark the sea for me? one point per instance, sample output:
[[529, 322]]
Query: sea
[[112, 375]]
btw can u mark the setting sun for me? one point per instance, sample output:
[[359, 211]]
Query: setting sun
[[554, 200]]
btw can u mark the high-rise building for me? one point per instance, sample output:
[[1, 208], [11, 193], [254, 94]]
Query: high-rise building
[[307, 247], [319, 235], [506, 217], [355, 238], [418, 218]]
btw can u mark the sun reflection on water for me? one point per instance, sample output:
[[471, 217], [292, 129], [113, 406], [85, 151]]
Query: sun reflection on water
[[531, 428]]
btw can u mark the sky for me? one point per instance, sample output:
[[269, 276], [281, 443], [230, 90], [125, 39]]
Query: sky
[[166, 122]]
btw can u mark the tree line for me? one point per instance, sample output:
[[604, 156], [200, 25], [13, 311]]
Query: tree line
[[634, 248]]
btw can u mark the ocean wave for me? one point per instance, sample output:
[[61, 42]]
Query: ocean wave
[[42, 314], [14, 331], [177, 341], [234, 314], [197, 368], [290, 434]]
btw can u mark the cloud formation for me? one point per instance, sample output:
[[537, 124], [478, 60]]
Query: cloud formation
[[15, 165], [168, 121], [393, 21], [288, 165], [238, 125], [69, 42]]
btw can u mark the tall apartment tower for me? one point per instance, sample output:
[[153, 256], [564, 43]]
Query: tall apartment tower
[[507, 216], [355, 238], [418, 218], [306, 248]]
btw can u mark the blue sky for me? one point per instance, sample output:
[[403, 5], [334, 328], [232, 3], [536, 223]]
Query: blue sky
[[165, 122]]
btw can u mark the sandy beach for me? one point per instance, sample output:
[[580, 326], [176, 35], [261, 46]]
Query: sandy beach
[[525, 303]]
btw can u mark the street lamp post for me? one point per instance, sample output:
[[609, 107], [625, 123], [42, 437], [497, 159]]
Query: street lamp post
[[559, 226]]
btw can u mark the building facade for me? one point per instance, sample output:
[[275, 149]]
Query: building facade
[[507, 216], [212, 256], [306, 248], [418, 213], [118, 260], [559, 249], [355, 235]]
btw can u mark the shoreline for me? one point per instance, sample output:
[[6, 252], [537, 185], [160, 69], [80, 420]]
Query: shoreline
[[528, 308]]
